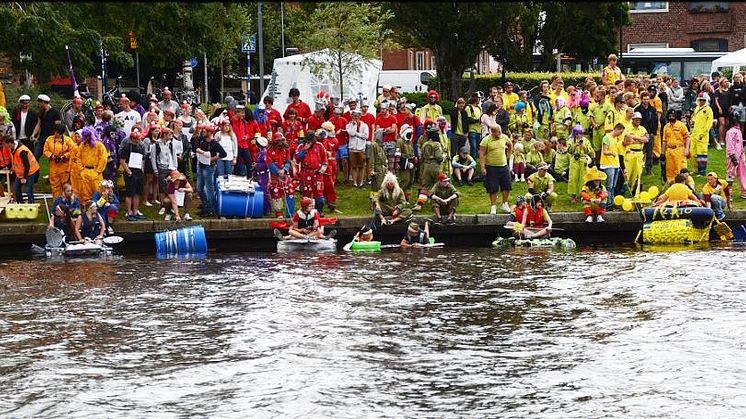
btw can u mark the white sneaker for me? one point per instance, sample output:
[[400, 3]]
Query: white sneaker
[[110, 231], [589, 219], [155, 201], [187, 217], [600, 219], [147, 204], [162, 211], [139, 213], [168, 217], [505, 207], [523, 178], [493, 210], [718, 146]]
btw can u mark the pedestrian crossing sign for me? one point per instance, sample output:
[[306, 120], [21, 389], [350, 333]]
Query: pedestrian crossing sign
[[248, 43]]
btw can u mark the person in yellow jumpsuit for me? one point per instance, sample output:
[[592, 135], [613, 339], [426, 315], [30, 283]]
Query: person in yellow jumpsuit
[[675, 146], [701, 120], [431, 110], [93, 157], [611, 73], [598, 110], [57, 149], [75, 166], [656, 103], [615, 114], [633, 154]]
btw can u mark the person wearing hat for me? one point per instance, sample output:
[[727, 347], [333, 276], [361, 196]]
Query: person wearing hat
[[431, 110], [386, 125], [416, 236], [342, 156], [331, 145], [177, 183], [444, 132], [536, 222], [46, 119], [24, 121], [432, 155], [464, 166], [519, 121], [594, 195], [580, 154], [364, 235], [633, 151], [108, 204], [675, 150], [315, 120], [261, 171], [167, 103], [406, 165], [280, 185], [444, 198], [510, 98], [368, 118], [76, 109], [209, 152], [352, 104], [58, 149], [542, 183], [306, 224], [701, 121], [127, 115], [303, 111], [390, 201], [717, 195], [93, 159], [313, 160]]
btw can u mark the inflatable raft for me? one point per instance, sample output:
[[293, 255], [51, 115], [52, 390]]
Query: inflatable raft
[[309, 245], [683, 222], [547, 242]]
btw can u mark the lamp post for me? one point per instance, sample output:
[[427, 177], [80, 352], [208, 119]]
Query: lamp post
[[282, 27], [260, 29]]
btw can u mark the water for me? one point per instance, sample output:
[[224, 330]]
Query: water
[[441, 333]]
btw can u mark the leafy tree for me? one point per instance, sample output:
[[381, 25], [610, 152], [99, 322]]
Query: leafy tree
[[347, 30], [514, 40]]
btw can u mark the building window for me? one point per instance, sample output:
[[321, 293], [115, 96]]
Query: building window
[[420, 60], [432, 59], [410, 59], [708, 6], [710, 45], [648, 6], [631, 47]]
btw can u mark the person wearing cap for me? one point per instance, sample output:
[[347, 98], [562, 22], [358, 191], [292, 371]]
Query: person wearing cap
[[352, 104], [315, 120], [261, 171], [386, 127], [464, 166], [25, 167], [167, 103], [536, 222], [494, 150], [444, 198], [177, 183], [416, 236], [717, 195], [408, 117], [127, 115], [90, 226], [377, 163], [58, 149], [209, 152], [701, 121], [368, 118], [390, 201], [303, 111], [516, 215], [510, 98], [24, 120], [331, 145], [364, 235], [342, 155], [633, 150], [650, 121], [675, 150], [432, 155], [432, 110], [306, 224], [610, 161], [280, 185], [519, 121], [581, 153], [406, 165], [444, 132], [313, 160], [615, 115], [542, 183], [75, 110], [358, 134], [46, 118]]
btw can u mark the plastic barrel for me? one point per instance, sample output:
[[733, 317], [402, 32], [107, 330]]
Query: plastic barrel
[[243, 205], [183, 242]]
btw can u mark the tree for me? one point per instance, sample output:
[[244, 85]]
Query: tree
[[513, 43], [455, 32], [347, 30]]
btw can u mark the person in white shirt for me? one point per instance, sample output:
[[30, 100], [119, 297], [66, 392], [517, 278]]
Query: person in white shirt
[[358, 133], [227, 139], [127, 116], [24, 121], [164, 160]]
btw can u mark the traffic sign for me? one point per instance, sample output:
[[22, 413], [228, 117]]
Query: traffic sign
[[194, 62], [133, 40], [248, 43]]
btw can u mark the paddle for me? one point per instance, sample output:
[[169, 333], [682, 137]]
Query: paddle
[[394, 246], [371, 224], [113, 239], [348, 246], [512, 227]]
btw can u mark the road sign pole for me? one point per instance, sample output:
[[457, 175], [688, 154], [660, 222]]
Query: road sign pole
[[248, 77], [137, 64]]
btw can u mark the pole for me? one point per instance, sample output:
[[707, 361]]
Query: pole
[[621, 11], [248, 77], [103, 63], [222, 85], [137, 63], [559, 62], [260, 29], [282, 27], [207, 92]]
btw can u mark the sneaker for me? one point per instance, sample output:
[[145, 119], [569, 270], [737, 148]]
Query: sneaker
[[168, 217], [147, 204], [600, 219], [278, 234], [157, 202], [187, 217], [451, 221], [139, 213], [131, 217], [470, 183], [141, 217], [718, 146], [162, 211], [505, 207], [493, 210], [589, 219], [523, 178], [331, 234], [110, 231]]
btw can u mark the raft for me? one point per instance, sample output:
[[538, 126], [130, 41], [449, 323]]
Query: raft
[[310, 245], [371, 246], [89, 249], [681, 223], [546, 242]]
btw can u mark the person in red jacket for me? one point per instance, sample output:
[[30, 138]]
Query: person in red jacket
[[241, 129], [368, 118], [340, 131], [331, 143], [280, 186], [301, 108], [315, 120], [386, 122], [313, 161], [273, 115]]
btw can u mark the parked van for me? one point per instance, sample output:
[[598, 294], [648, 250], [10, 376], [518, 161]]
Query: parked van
[[408, 81]]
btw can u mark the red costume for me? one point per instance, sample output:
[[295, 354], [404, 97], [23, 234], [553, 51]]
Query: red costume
[[385, 122], [340, 129], [311, 162], [315, 122], [274, 118], [369, 120], [281, 187], [292, 131], [303, 110], [330, 193]]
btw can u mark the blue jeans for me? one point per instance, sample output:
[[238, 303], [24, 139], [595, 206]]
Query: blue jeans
[[612, 176], [474, 139], [718, 206], [29, 188], [206, 188], [224, 167]]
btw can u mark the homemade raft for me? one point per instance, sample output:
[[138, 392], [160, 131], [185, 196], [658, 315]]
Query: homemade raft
[[684, 222], [546, 242]]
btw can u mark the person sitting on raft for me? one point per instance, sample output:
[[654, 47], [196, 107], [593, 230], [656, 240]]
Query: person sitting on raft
[[90, 225], [515, 218], [390, 202], [678, 192], [717, 194], [63, 220], [536, 223], [306, 224], [416, 236], [542, 183], [594, 195], [444, 198], [364, 235]]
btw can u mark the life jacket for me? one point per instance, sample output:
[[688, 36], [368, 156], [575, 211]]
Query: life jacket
[[5, 157], [306, 220], [18, 166], [518, 213], [90, 227], [535, 218]]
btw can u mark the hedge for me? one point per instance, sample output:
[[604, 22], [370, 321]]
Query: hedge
[[420, 98], [526, 81]]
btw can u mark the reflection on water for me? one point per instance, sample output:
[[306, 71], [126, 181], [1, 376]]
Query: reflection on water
[[471, 332]]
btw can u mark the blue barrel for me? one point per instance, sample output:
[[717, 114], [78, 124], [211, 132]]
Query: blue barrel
[[243, 205], [186, 241]]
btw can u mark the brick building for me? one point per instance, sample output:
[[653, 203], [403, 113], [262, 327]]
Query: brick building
[[408, 59]]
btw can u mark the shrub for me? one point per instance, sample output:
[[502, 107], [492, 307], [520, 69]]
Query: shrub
[[526, 81], [420, 98]]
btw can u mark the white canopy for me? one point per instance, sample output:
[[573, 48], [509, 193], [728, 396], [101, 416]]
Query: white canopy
[[735, 59], [289, 72]]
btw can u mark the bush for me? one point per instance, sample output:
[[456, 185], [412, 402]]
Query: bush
[[420, 98], [13, 92], [526, 81]]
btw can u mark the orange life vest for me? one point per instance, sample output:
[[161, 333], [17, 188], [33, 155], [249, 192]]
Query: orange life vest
[[5, 158], [18, 166]]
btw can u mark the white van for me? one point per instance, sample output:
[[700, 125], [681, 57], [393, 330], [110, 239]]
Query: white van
[[405, 81]]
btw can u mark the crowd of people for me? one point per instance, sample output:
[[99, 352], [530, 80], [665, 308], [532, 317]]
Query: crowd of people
[[598, 139]]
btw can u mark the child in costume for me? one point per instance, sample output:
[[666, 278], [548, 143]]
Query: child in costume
[[562, 118], [581, 153], [519, 161], [594, 195]]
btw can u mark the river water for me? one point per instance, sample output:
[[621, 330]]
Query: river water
[[590, 332]]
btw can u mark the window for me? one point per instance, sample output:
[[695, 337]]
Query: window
[[708, 6], [432, 58], [631, 47], [648, 6], [410, 59], [710, 45], [420, 65]]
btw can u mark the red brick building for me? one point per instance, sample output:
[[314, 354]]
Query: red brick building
[[408, 59], [706, 26]]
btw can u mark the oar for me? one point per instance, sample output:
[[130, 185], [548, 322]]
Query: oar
[[370, 224], [348, 246], [394, 246], [512, 227]]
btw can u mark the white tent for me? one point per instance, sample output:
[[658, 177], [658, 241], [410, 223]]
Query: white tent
[[735, 59], [289, 72]]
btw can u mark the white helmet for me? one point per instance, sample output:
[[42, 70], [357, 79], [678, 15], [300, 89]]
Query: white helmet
[[406, 132]]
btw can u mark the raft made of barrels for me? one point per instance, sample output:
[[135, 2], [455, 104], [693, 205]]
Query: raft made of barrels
[[307, 245], [683, 223], [88, 249], [187, 241], [546, 242], [243, 201], [371, 246]]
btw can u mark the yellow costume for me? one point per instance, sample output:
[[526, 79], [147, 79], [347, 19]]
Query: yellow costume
[[633, 155], [613, 117], [702, 118], [75, 167], [675, 138], [509, 101], [59, 171], [93, 160]]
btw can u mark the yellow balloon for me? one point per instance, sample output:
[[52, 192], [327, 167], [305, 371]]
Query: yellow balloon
[[618, 200], [644, 196], [627, 205], [653, 191]]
